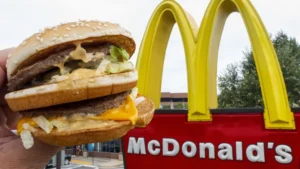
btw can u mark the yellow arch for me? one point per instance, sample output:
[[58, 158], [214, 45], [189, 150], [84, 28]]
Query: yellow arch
[[152, 50], [277, 113], [201, 58]]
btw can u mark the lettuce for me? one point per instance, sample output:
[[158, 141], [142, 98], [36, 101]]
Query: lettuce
[[118, 54], [119, 67]]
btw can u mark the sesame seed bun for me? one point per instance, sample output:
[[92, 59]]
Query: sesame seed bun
[[40, 44], [77, 137]]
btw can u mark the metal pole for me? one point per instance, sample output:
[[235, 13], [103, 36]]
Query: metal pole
[[93, 157], [58, 160]]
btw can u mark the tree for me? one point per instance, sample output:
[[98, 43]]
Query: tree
[[239, 85], [229, 86], [165, 107], [180, 105]]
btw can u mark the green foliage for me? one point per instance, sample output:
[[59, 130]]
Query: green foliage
[[165, 107], [179, 106], [240, 87]]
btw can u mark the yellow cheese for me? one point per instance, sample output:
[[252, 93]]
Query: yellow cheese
[[23, 121], [127, 111]]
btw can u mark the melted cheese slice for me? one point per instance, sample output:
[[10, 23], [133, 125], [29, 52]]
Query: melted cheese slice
[[126, 111], [24, 120]]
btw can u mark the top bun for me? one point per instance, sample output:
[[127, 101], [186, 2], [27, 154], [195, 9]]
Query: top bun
[[40, 44]]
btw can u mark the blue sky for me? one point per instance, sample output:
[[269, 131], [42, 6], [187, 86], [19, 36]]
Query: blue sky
[[19, 19]]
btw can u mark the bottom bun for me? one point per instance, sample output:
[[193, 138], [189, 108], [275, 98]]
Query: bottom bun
[[146, 111], [84, 136], [114, 130]]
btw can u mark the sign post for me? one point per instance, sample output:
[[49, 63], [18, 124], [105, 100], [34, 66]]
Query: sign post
[[58, 160], [204, 136]]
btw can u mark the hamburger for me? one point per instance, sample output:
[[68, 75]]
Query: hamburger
[[74, 84]]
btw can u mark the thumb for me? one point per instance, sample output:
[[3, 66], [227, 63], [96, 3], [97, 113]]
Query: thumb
[[4, 130], [3, 87], [3, 118], [4, 56], [2, 77]]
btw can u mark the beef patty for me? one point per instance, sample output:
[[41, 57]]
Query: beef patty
[[19, 80], [93, 106]]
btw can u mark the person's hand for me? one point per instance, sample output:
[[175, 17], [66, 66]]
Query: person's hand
[[13, 155]]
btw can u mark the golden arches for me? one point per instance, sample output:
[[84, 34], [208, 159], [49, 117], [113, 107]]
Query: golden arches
[[201, 58], [277, 113], [152, 50]]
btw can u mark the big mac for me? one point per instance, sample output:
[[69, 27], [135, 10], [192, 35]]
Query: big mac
[[74, 84]]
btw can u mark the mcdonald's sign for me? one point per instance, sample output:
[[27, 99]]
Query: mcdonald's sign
[[204, 136]]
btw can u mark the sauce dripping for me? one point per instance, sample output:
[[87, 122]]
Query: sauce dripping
[[79, 53]]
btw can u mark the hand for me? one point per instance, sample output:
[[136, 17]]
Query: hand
[[13, 155]]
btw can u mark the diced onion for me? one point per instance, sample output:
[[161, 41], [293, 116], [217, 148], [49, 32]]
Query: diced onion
[[59, 123], [138, 100], [134, 92], [29, 127], [43, 123], [27, 139]]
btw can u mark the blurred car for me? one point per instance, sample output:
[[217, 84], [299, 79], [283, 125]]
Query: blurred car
[[52, 162]]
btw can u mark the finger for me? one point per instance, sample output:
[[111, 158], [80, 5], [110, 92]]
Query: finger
[[3, 91], [3, 87], [3, 57], [16, 156], [4, 130], [3, 118], [2, 77], [12, 117]]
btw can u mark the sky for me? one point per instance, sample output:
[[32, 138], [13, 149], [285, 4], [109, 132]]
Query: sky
[[20, 19]]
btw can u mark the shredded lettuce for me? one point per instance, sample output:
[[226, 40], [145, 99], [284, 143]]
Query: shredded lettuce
[[124, 54], [125, 66], [118, 54], [134, 92], [102, 66], [112, 68], [119, 67]]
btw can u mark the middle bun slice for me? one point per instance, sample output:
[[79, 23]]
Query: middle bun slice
[[75, 89]]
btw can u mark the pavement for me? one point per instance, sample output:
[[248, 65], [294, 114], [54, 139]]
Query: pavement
[[93, 163], [99, 162]]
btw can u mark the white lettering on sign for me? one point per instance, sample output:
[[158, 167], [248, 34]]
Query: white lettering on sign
[[283, 154], [225, 152], [190, 145], [211, 150], [255, 153], [260, 152], [136, 147], [239, 150], [166, 143], [151, 149]]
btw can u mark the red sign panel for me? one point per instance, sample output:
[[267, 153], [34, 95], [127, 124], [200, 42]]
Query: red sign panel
[[234, 139]]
